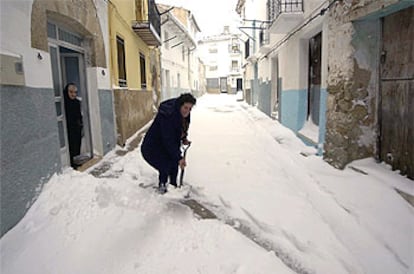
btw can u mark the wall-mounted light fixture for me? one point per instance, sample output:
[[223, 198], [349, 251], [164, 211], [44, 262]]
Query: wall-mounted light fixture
[[39, 56]]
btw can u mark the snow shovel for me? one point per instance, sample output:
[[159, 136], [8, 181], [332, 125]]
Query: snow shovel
[[185, 148]]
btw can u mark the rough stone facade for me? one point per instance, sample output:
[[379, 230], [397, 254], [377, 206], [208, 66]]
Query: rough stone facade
[[354, 42], [136, 109], [79, 15]]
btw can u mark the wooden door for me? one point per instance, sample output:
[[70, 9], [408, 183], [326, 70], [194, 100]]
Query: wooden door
[[315, 76], [396, 113]]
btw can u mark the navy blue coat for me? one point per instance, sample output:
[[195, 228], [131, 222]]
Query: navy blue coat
[[161, 144]]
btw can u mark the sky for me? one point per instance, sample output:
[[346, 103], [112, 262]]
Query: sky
[[277, 210], [210, 15]]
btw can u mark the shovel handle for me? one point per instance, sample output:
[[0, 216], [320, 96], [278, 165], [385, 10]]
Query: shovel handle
[[185, 148]]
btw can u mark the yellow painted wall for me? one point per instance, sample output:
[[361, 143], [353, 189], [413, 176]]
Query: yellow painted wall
[[121, 14]]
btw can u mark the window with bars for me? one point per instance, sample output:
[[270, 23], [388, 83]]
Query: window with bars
[[120, 47]]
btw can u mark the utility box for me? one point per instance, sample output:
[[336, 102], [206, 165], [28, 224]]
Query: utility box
[[11, 69]]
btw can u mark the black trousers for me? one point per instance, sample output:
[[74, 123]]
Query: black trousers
[[167, 168], [74, 138], [170, 173]]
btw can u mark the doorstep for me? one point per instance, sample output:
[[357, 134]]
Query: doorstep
[[89, 163], [104, 166]]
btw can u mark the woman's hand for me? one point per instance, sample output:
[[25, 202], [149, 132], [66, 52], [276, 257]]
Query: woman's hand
[[186, 142], [182, 163]]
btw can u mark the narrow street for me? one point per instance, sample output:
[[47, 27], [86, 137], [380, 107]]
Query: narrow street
[[272, 206]]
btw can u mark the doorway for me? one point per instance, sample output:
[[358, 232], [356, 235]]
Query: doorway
[[68, 66], [73, 71], [239, 84], [275, 89], [314, 82], [223, 84], [396, 107]]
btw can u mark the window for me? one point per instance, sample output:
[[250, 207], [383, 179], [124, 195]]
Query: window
[[69, 37], [261, 37], [120, 47], [234, 46], [234, 65], [183, 53], [178, 80], [212, 50], [143, 71], [213, 68], [166, 44], [247, 48]]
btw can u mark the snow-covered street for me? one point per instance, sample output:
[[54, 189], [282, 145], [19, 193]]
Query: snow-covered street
[[279, 209]]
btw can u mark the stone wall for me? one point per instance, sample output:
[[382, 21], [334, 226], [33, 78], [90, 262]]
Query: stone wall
[[354, 40], [351, 94], [134, 109]]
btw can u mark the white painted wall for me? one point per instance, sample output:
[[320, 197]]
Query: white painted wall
[[264, 70], [172, 60], [99, 78], [16, 39], [293, 54], [104, 81], [179, 60], [94, 110]]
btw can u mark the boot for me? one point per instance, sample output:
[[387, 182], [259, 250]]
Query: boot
[[162, 188]]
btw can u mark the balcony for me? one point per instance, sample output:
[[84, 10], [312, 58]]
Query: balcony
[[284, 14], [149, 30]]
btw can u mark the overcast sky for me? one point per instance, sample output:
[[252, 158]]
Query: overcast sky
[[210, 15]]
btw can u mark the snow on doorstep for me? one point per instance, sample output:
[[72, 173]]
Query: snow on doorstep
[[311, 131], [297, 214]]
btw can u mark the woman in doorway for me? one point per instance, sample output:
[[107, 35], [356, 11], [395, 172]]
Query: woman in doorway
[[73, 121]]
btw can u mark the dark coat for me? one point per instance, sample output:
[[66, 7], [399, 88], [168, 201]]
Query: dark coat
[[161, 144], [74, 125]]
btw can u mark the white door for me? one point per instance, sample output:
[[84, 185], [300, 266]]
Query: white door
[[59, 104]]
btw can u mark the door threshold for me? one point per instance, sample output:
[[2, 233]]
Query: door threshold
[[89, 163]]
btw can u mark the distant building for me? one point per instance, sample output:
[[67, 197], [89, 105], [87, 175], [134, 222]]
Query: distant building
[[179, 56], [222, 56]]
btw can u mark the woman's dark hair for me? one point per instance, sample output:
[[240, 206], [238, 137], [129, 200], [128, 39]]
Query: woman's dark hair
[[186, 98]]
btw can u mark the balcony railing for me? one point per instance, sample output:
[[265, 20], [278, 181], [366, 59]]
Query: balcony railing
[[284, 15], [277, 7], [149, 30]]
